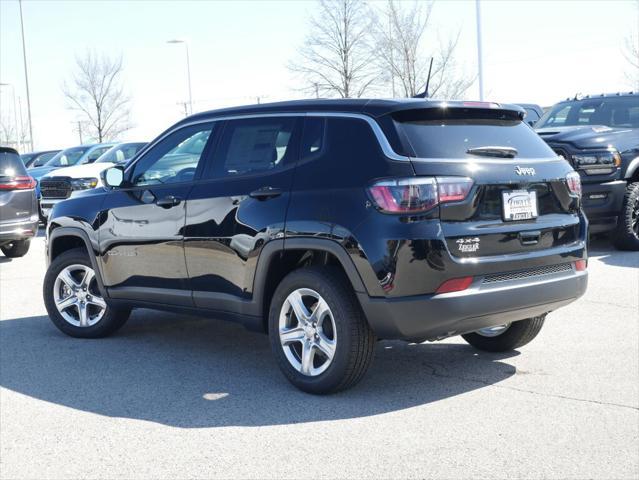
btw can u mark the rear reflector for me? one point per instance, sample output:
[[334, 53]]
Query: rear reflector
[[23, 182], [581, 265], [455, 285]]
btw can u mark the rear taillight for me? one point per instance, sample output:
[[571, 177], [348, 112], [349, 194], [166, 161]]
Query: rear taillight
[[573, 181], [418, 194], [453, 189], [23, 182]]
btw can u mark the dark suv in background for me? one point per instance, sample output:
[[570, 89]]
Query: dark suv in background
[[18, 206], [599, 136], [328, 225]]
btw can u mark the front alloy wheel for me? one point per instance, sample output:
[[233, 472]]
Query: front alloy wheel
[[507, 336], [76, 296], [73, 299]]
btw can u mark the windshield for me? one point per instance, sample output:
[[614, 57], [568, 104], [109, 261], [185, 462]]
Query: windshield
[[26, 157], [120, 153], [620, 112], [67, 157]]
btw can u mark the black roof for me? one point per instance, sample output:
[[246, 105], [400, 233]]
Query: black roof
[[579, 97], [8, 150], [372, 107]]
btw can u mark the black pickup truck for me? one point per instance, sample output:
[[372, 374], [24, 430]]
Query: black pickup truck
[[599, 136]]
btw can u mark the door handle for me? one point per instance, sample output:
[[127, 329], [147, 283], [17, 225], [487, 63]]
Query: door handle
[[265, 193], [168, 201]]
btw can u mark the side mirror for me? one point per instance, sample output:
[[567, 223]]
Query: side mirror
[[113, 177]]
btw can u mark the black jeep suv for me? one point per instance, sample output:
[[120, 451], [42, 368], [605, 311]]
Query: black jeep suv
[[599, 136], [329, 224]]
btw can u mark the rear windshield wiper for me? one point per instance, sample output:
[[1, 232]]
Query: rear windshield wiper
[[493, 151]]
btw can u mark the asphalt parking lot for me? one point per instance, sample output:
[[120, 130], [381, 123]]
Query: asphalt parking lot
[[183, 397]]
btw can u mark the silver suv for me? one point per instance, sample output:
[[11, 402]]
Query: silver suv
[[18, 206]]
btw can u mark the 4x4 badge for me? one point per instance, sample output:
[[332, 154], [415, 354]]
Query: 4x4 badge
[[524, 170]]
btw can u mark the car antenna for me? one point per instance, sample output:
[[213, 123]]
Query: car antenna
[[425, 94]]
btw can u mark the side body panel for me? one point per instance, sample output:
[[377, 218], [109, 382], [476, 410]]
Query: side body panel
[[229, 222]]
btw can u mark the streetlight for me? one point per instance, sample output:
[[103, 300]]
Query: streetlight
[[15, 114], [188, 69], [26, 76], [480, 66]]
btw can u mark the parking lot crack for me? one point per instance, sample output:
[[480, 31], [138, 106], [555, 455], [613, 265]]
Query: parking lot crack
[[523, 390]]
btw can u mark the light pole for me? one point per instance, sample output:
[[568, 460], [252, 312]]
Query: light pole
[[15, 115], [26, 77], [480, 66], [188, 69]]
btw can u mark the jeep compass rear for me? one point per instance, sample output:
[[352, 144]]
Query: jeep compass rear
[[327, 225]]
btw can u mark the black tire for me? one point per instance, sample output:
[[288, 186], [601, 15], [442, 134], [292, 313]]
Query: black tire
[[355, 340], [516, 335], [17, 248], [112, 319], [626, 235]]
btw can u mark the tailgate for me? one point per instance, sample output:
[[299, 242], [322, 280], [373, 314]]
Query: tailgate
[[520, 200]]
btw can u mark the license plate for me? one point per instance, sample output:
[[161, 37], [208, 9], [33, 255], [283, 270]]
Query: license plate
[[519, 205]]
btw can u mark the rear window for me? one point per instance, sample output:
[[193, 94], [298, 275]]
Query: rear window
[[11, 165], [438, 133]]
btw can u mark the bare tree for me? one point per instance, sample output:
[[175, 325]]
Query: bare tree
[[336, 58], [631, 53], [8, 135], [98, 96], [404, 58]]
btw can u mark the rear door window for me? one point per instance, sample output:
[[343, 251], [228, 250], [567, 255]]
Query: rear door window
[[255, 145], [437, 133]]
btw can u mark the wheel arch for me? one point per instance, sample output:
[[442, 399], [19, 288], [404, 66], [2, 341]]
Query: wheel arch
[[63, 239], [280, 257], [632, 172]]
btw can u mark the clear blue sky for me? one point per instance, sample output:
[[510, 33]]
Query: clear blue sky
[[534, 51]]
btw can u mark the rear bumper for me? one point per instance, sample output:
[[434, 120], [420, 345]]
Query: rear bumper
[[18, 230], [482, 305], [602, 204]]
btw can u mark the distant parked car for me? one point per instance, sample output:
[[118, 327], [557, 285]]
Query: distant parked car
[[533, 112], [63, 183], [37, 159], [599, 136], [18, 206], [68, 157]]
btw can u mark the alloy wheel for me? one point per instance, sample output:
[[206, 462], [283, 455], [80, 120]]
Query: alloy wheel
[[76, 296], [494, 331], [307, 332]]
